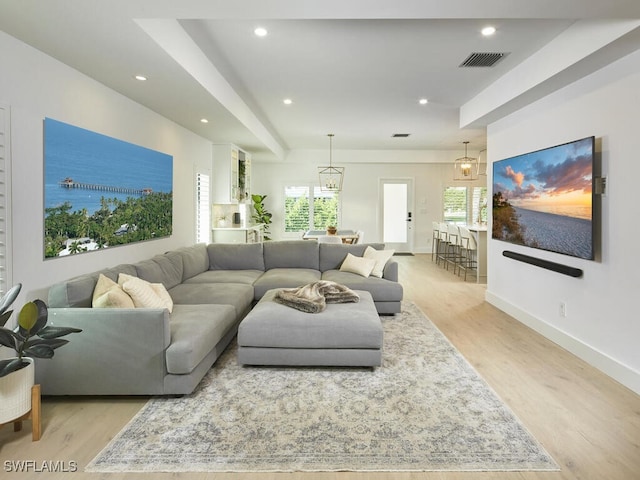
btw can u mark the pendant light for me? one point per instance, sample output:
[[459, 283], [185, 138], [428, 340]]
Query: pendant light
[[331, 177], [465, 168]]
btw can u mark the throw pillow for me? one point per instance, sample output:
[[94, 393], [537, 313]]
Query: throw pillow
[[108, 294], [381, 257], [161, 291], [141, 292], [359, 265]]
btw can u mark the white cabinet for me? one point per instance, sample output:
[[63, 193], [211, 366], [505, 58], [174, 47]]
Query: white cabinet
[[231, 174], [252, 234]]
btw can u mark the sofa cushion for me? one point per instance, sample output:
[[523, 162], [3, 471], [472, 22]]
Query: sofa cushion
[[358, 265], [240, 296], [108, 294], [195, 330], [284, 278], [166, 269], [247, 277], [332, 256], [235, 256], [143, 293], [381, 258], [126, 268], [75, 292], [381, 290], [195, 260], [291, 254]]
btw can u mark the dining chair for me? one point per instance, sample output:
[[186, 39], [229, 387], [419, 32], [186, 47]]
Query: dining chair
[[329, 239]]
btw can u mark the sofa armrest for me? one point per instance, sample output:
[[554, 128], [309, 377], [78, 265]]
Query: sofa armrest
[[390, 271], [119, 351]]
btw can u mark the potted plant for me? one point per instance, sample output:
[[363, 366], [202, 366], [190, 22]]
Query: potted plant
[[260, 214], [31, 338]]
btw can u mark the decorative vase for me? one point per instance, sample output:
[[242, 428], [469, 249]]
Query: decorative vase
[[15, 392]]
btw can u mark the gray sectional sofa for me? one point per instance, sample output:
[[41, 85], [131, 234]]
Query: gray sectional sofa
[[149, 351]]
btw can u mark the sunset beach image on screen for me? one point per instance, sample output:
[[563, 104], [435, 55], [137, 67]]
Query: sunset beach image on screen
[[544, 199]]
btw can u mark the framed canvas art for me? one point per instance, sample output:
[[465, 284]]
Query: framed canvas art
[[101, 192]]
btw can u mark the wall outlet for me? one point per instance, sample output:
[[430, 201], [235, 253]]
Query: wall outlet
[[563, 309]]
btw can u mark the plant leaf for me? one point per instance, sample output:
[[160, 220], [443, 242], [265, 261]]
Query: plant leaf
[[54, 332], [5, 317], [7, 338], [10, 365], [40, 351], [53, 343], [28, 316], [9, 298], [34, 318]]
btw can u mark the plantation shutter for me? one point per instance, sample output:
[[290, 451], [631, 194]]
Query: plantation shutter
[[5, 190], [203, 218]]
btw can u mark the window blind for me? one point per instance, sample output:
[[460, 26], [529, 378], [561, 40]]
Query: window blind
[[5, 212], [203, 217]]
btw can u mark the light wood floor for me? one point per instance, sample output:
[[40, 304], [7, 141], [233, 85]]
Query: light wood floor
[[589, 423]]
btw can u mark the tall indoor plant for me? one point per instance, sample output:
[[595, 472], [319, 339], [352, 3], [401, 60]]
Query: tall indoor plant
[[260, 213], [31, 338]]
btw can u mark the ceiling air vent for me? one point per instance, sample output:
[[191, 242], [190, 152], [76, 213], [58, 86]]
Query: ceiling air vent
[[400, 135], [483, 59]]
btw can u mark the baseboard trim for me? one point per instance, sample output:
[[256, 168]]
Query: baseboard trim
[[611, 367]]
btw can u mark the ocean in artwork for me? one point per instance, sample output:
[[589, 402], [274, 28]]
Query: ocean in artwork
[[90, 158], [100, 192]]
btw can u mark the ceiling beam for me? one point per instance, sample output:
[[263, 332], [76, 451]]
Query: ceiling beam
[[584, 47], [173, 39]]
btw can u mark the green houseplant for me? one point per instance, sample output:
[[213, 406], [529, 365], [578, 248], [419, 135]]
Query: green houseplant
[[260, 214], [32, 337]]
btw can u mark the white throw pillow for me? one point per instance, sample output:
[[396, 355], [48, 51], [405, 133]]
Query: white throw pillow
[[381, 257], [108, 294], [359, 265], [161, 291], [143, 293]]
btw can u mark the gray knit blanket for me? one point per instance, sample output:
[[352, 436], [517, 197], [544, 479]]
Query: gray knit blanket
[[313, 297]]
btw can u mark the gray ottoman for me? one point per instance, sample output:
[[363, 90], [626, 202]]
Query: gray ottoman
[[345, 334]]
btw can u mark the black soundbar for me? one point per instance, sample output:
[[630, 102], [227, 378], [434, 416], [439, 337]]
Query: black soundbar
[[538, 262]]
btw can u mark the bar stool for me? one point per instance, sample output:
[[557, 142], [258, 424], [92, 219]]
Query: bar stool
[[469, 249], [443, 243], [435, 240], [453, 248]]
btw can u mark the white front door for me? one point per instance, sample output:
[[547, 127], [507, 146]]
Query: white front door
[[396, 199]]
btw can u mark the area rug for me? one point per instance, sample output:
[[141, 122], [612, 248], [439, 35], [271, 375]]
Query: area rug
[[425, 409]]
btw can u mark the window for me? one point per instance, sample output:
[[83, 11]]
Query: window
[[465, 205], [307, 207], [203, 218]]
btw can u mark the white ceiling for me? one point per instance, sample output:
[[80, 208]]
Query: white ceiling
[[353, 68]]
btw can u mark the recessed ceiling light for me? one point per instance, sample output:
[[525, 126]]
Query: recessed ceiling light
[[260, 32], [204, 120], [488, 31], [142, 78], [287, 101], [423, 101]]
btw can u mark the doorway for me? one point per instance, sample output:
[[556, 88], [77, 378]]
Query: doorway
[[396, 206]]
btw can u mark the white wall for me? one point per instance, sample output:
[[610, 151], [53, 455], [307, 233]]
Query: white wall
[[360, 196], [35, 86], [601, 324]]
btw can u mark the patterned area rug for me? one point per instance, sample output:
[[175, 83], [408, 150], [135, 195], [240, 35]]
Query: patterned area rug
[[425, 409]]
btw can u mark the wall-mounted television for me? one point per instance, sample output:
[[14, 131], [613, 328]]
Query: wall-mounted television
[[544, 199]]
